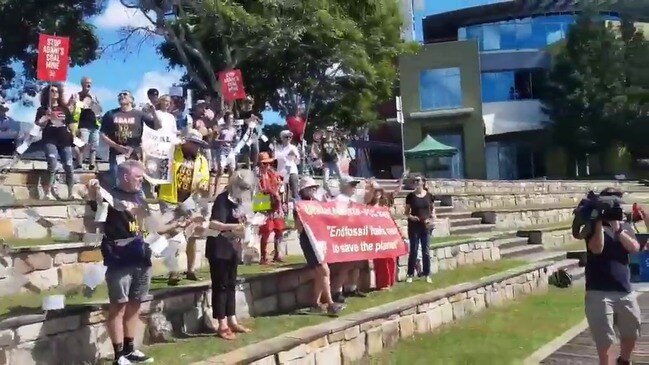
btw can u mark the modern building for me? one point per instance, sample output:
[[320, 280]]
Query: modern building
[[474, 86]]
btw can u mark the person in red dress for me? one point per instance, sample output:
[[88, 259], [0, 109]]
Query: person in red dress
[[385, 269], [270, 183]]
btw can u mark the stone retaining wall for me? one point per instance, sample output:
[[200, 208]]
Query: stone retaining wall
[[442, 186], [506, 219], [555, 238], [473, 202], [49, 338], [353, 337]]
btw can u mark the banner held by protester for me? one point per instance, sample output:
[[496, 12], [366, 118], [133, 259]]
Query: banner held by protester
[[158, 153], [350, 232], [53, 58]]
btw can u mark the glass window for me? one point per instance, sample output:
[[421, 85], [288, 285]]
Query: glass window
[[510, 85], [526, 33], [440, 88]]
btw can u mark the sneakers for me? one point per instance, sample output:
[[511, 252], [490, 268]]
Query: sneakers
[[338, 298], [409, 279], [356, 293], [138, 357], [335, 308], [122, 361], [429, 280]]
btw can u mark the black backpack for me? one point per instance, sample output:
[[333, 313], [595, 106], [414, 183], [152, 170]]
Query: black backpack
[[561, 279]]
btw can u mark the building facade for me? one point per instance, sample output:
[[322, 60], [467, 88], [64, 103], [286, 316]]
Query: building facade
[[474, 85]]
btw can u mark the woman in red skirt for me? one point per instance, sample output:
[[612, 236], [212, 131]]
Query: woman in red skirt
[[385, 269], [270, 183]]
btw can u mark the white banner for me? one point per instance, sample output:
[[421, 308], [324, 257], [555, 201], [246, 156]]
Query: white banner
[[158, 154]]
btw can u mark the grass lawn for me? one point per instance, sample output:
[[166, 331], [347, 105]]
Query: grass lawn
[[548, 226], [30, 242], [504, 335], [29, 302], [199, 348]]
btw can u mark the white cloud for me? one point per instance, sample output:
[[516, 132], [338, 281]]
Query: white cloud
[[118, 16], [107, 97]]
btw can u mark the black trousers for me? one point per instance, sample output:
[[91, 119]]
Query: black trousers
[[224, 284]]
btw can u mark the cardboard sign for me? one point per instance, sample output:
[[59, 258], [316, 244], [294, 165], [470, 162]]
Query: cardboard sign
[[343, 232], [232, 85], [53, 58]]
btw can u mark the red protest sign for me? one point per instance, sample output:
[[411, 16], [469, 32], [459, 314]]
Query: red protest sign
[[232, 85], [343, 232], [53, 58]]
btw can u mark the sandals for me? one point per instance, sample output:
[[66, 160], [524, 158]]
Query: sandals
[[226, 334], [237, 328]]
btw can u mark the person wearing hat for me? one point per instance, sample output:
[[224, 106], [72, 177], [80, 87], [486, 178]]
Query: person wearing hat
[[288, 157], [190, 175], [270, 184], [329, 150], [8, 132], [322, 300], [223, 250]]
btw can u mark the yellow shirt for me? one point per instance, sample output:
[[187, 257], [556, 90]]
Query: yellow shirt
[[200, 178]]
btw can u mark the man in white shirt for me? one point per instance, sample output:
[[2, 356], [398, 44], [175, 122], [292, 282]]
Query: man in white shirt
[[288, 157], [348, 274]]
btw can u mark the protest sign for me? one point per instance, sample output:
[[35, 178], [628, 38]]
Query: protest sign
[[158, 153], [232, 85], [53, 58], [350, 231]]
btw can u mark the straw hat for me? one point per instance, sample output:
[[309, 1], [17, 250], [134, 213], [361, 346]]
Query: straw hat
[[308, 182], [196, 137], [241, 184], [285, 133]]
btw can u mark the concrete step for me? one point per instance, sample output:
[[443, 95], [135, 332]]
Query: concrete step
[[520, 251], [510, 242], [477, 228], [462, 222], [454, 215], [443, 210], [544, 256]]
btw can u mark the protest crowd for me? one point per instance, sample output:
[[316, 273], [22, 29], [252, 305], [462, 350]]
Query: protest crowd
[[173, 154]]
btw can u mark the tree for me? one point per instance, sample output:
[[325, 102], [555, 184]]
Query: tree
[[586, 79], [21, 21], [337, 58]]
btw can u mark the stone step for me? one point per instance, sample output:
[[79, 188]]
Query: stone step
[[510, 242], [520, 251], [461, 222], [443, 210], [467, 230], [555, 256], [454, 215]]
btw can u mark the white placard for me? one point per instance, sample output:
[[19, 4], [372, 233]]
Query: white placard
[[93, 275], [105, 195], [53, 302], [102, 212], [158, 155], [35, 131], [158, 245], [78, 142], [264, 138], [22, 148], [120, 159]]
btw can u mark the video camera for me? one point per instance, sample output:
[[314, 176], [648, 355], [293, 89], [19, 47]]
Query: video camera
[[606, 206]]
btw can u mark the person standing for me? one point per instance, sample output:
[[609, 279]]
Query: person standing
[[167, 120], [288, 157], [127, 258], [86, 112], [420, 210], [610, 301], [270, 183], [223, 250], [55, 119], [121, 130], [330, 158], [190, 175], [385, 269]]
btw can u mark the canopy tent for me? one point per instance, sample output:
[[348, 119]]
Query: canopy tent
[[430, 147]]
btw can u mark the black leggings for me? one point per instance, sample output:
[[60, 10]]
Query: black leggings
[[224, 284]]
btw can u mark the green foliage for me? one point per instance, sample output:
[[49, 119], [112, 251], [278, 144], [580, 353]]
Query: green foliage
[[585, 88], [21, 21], [335, 55]]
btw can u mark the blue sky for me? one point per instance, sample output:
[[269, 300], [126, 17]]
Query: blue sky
[[136, 69], [423, 8]]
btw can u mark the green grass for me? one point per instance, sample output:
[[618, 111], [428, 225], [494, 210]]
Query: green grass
[[199, 348], [28, 302], [504, 335], [547, 226], [31, 242]]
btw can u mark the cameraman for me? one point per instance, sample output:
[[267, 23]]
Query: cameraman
[[609, 298]]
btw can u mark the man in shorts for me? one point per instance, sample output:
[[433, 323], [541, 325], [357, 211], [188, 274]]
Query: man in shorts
[[127, 257], [609, 298]]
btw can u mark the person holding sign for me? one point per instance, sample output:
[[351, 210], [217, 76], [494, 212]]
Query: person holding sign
[[385, 269], [55, 118], [121, 129], [270, 183], [420, 210], [190, 175], [126, 255]]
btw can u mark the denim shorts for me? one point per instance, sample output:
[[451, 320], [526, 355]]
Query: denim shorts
[[90, 137]]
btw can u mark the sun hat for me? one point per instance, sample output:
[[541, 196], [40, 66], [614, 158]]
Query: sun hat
[[348, 180], [285, 133], [308, 182], [196, 137]]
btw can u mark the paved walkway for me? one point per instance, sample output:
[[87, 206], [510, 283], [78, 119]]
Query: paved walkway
[[581, 349]]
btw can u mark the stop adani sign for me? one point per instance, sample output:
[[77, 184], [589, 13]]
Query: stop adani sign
[[53, 58]]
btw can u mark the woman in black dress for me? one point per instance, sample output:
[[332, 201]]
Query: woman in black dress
[[420, 210], [223, 250]]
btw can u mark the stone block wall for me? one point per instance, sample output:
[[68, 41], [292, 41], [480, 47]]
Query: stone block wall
[[552, 238], [48, 339], [452, 256], [348, 340], [443, 186], [487, 201], [524, 218]]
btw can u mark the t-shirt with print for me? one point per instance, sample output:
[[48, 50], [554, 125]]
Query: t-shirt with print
[[125, 128], [609, 271], [184, 178], [329, 153], [56, 131], [420, 207], [87, 117]]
